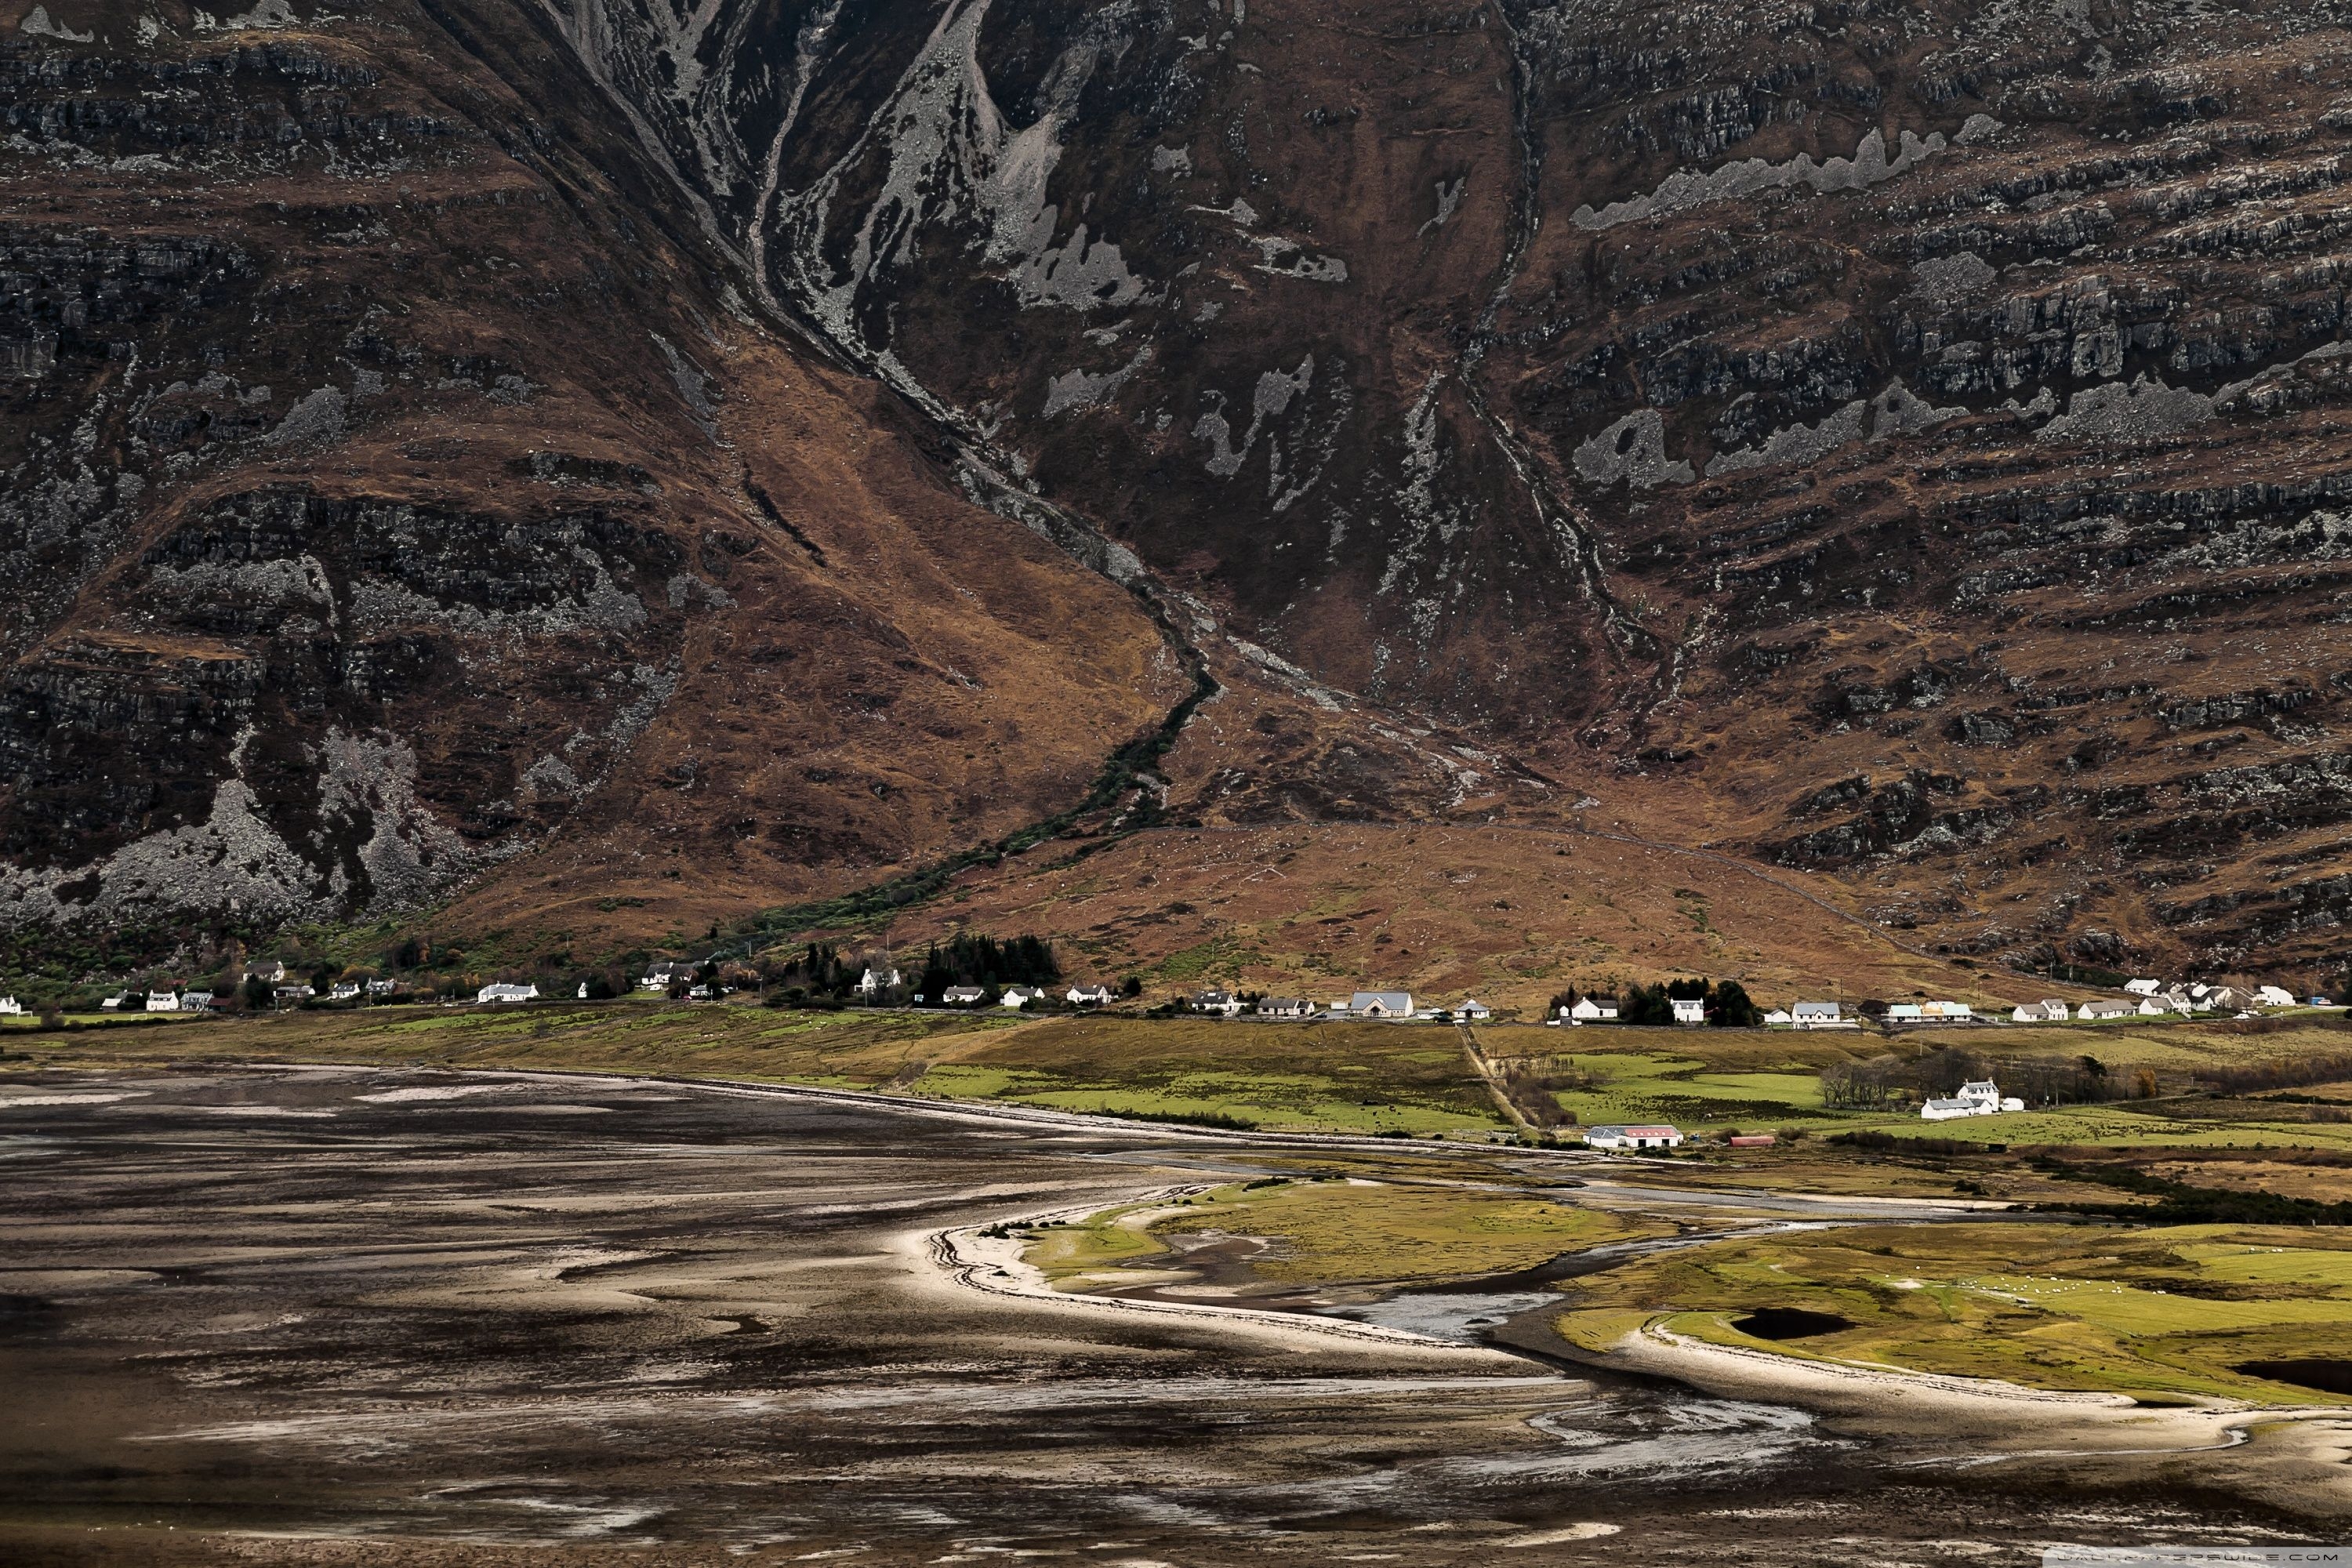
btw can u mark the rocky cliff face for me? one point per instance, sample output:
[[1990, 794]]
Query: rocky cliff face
[[1903, 441], [1916, 429], [396, 487]]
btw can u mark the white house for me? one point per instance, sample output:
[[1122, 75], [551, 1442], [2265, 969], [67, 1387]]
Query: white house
[[2152, 1007], [2229, 999], [1019, 996], [1592, 1010], [962, 995], [162, 1002], [500, 990], [2101, 1008], [1285, 1007], [1777, 1015], [195, 1002], [1945, 1012], [1980, 1098], [343, 990], [1653, 1137], [1380, 1005], [1087, 995], [2143, 987], [1815, 1015], [1904, 1013], [1222, 1002], [382, 987], [10, 1007], [665, 974], [872, 981], [269, 970], [2273, 997], [1474, 1009], [1690, 1010], [2049, 1010]]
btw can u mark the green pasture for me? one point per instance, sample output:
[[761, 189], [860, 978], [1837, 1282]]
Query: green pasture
[[2155, 1312]]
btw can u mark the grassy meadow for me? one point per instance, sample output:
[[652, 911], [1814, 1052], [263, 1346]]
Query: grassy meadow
[[1360, 1077], [2147, 1312], [1337, 1232]]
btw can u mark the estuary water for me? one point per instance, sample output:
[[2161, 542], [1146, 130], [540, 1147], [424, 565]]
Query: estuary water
[[481, 1314]]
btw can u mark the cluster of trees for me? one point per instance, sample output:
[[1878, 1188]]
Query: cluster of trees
[[1889, 1081], [976, 959], [1533, 1085], [1729, 1005], [2282, 1072]]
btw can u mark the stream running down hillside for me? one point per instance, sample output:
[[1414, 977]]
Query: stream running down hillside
[[514, 1307]]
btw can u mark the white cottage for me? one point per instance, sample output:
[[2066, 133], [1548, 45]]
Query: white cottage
[[2049, 1010], [1689, 1010], [1979, 1098], [1658, 1136], [1087, 995], [499, 990], [1592, 1010], [2273, 997], [2099, 1009]]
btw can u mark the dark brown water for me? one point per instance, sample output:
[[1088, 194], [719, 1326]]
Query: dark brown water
[[1789, 1323], [508, 1311]]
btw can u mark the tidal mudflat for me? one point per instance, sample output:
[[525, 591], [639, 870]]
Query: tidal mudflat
[[346, 1314]]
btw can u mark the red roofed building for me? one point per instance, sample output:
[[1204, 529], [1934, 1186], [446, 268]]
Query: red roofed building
[[1657, 1137]]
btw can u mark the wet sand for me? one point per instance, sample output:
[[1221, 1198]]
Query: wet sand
[[328, 1315]]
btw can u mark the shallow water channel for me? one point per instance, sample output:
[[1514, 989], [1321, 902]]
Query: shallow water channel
[[524, 1309]]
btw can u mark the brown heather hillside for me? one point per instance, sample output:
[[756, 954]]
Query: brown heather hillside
[[593, 473]]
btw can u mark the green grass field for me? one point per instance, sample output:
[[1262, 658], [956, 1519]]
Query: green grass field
[[1411, 1080], [1713, 1081], [2147, 1312], [1339, 1233], [1352, 1078]]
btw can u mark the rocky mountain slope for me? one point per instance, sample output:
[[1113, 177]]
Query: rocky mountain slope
[[1902, 443], [393, 488]]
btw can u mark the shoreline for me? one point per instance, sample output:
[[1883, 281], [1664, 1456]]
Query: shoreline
[[2298, 1458], [2292, 1456], [962, 1257]]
